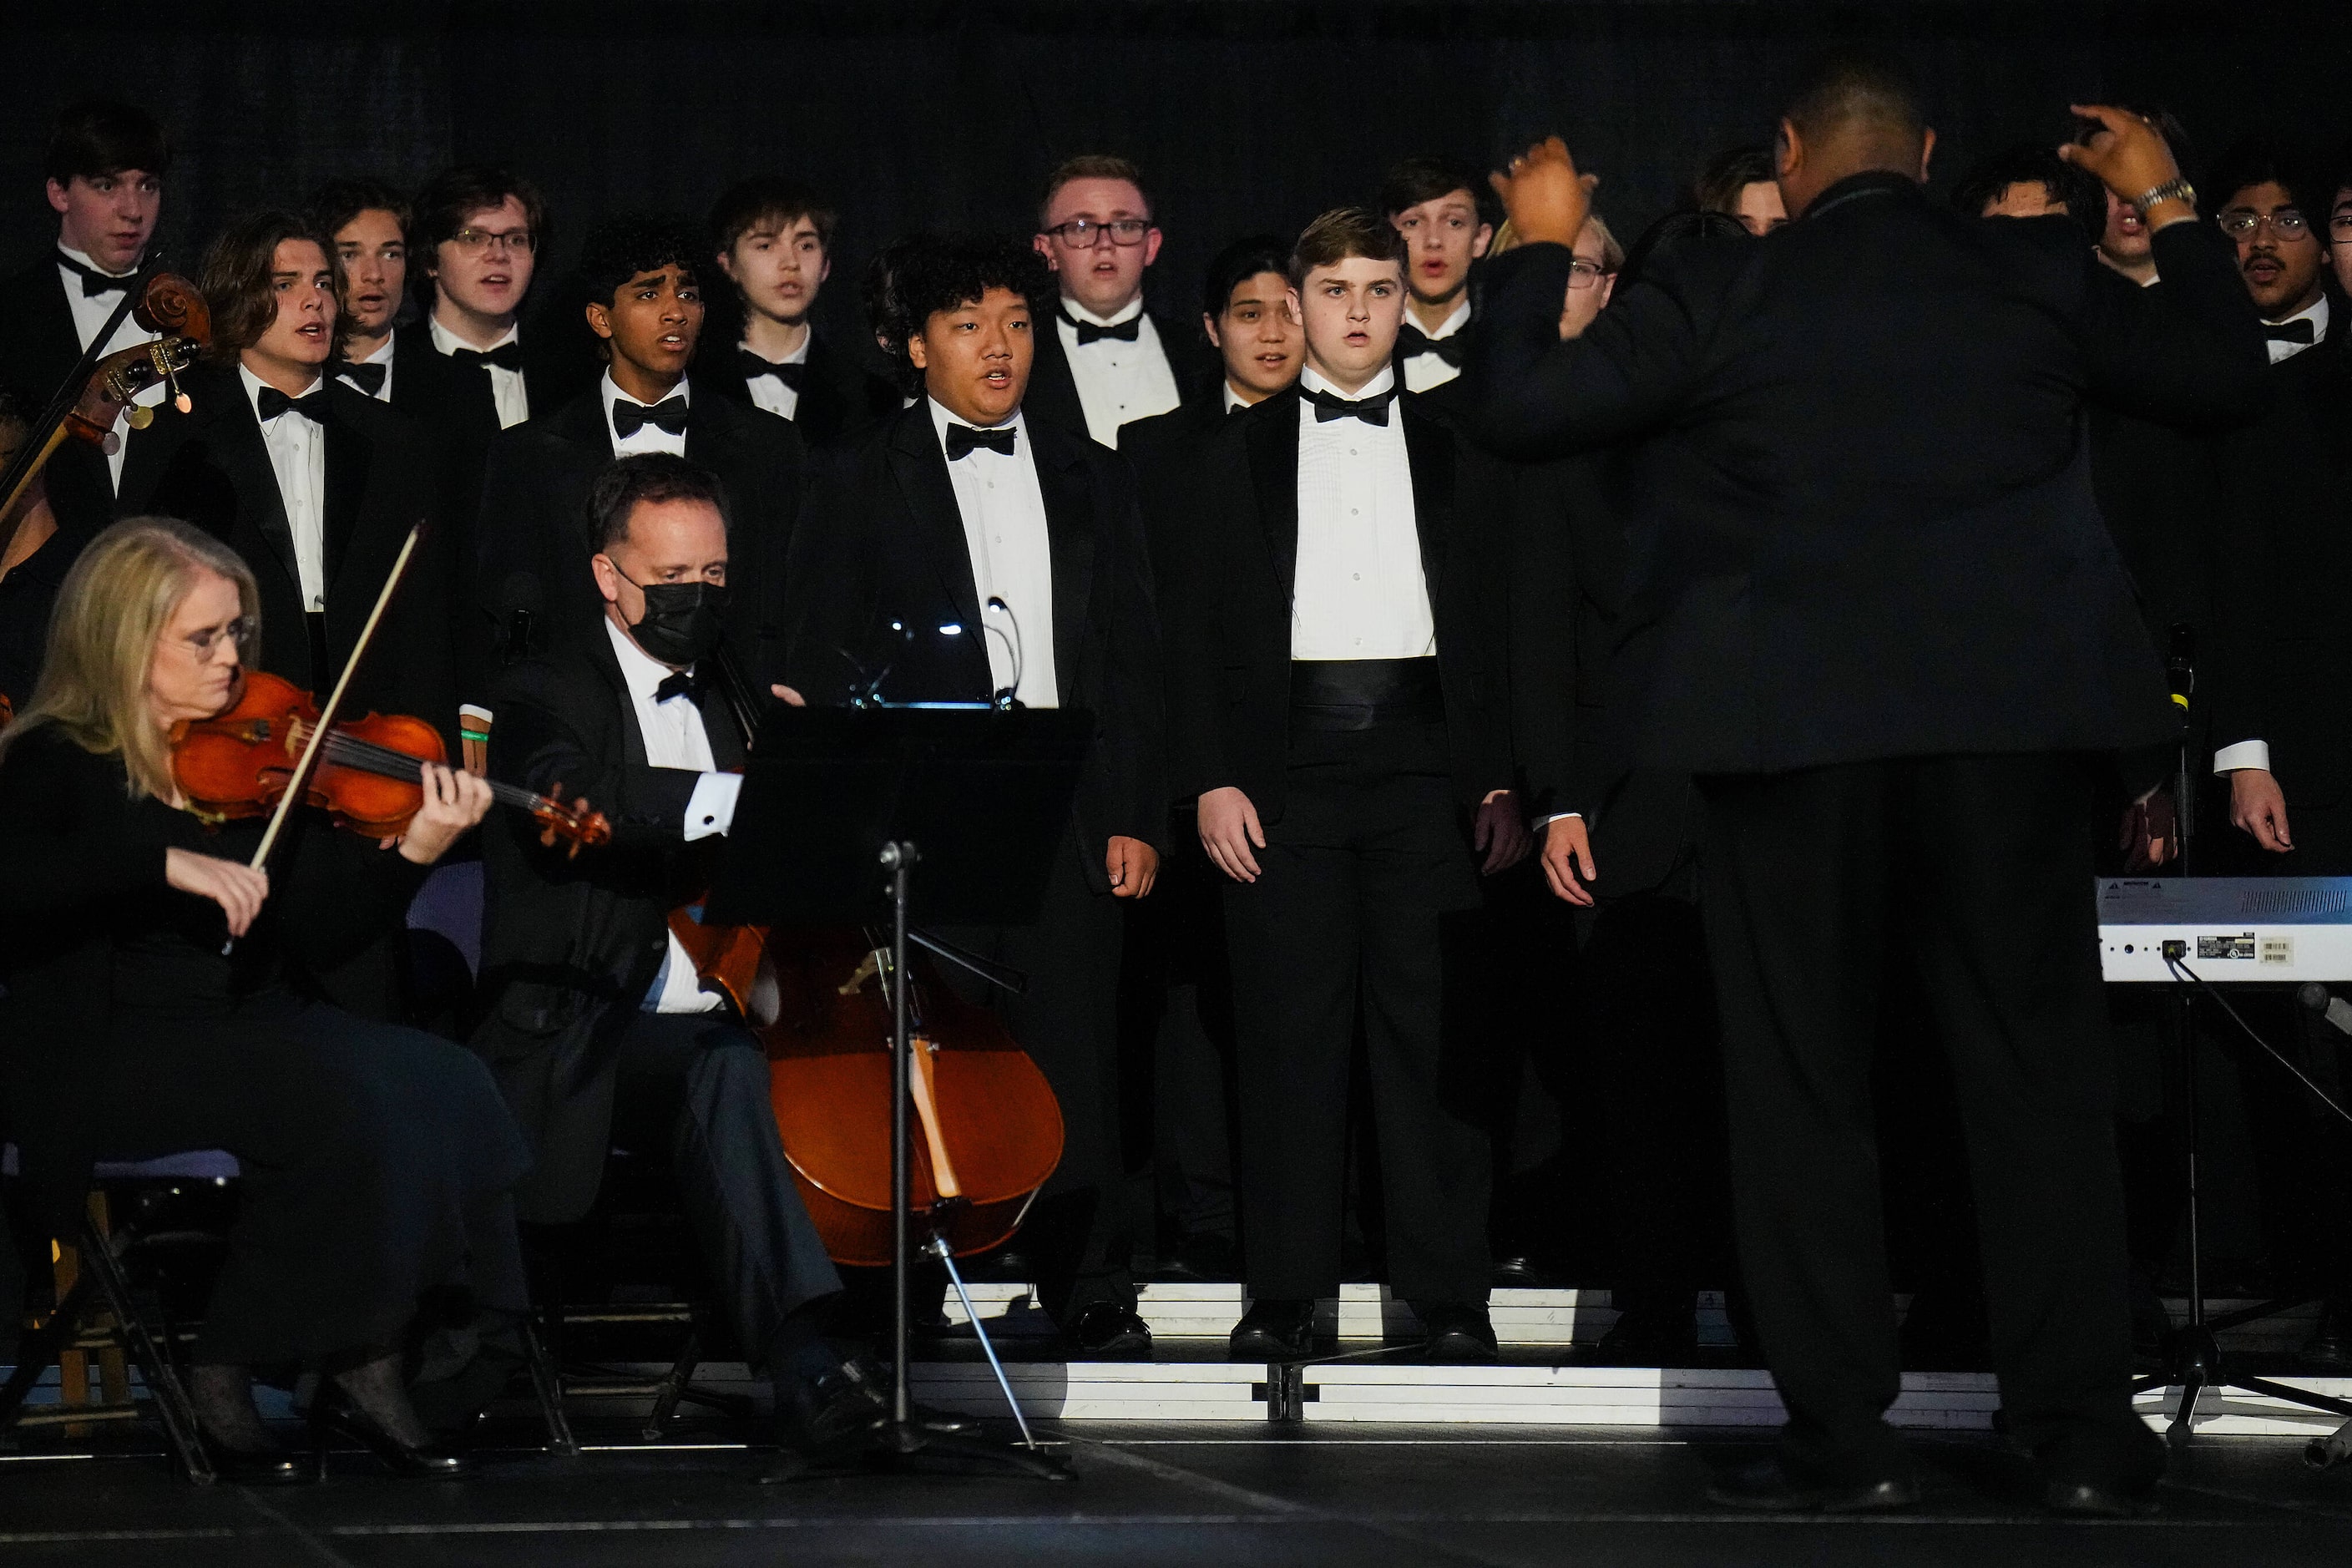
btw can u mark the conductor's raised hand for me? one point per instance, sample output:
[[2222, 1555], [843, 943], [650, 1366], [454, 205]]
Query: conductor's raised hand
[[1229, 830], [1546, 199], [2130, 157]]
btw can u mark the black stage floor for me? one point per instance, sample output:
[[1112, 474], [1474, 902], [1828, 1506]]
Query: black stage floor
[[1224, 1495]]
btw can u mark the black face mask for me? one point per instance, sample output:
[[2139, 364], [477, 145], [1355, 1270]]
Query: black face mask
[[681, 623]]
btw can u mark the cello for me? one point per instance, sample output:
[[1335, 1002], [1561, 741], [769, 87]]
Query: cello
[[988, 1130]]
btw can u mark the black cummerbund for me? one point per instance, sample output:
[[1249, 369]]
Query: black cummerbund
[[1344, 694]]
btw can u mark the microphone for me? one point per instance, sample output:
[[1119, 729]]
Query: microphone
[[2181, 664], [2319, 999], [520, 603], [997, 609]]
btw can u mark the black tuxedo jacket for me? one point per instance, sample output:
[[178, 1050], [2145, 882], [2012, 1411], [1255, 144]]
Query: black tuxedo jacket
[[1053, 393], [840, 400], [2279, 668], [1168, 452], [1228, 608], [533, 523], [1884, 542], [210, 468], [570, 945], [38, 349], [882, 541]]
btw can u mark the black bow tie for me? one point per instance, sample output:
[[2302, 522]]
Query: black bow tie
[[757, 366], [311, 406], [368, 378], [2298, 331], [963, 438], [93, 282], [1330, 405], [668, 415], [682, 683], [1412, 340], [506, 356], [1127, 332]]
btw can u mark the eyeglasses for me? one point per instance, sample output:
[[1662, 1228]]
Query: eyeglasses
[[516, 239], [1583, 274], [2339, 228], [1085, 233], [2240, 222], [239, 632]]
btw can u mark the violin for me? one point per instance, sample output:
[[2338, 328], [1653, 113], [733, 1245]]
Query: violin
[[368, 776]]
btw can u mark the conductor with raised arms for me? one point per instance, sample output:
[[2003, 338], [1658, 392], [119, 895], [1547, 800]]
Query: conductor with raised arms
[[1891, 629]]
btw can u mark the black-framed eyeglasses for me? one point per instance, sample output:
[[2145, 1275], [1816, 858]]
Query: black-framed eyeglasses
[[518, 240], [2339, 228], [1086, 233], [1583, 274], [2240, 222]]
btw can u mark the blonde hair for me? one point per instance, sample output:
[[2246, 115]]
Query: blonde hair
[[111, 611]]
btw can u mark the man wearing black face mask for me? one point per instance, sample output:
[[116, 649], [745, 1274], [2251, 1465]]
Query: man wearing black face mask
[[596, 1023]]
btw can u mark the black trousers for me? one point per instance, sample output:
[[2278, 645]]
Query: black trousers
[[1982, 866], [1366, 909], [693, 1092], [379, 1164], [1079, 1233]]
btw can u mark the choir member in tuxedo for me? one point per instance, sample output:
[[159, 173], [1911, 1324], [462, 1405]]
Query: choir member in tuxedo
[[35, 553], [367, 222], [315, 485], [1434, 202], [1176, 992], [106, 163], [2281, 662], [1339, 684], [773, 241], [595, 1021], [1103, 360], [959, 501], [1739, 183], [644, 278], [1873, 470]]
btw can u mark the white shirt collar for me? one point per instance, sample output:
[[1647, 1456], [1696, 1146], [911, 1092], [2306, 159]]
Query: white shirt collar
[[1384, 382], [641, 672], [254, 383], [683, 392], [1232, 398], [941, 419], [2315, 313], [1119, 318], [70, 254], [383, 355], [448, 342], [1453, 324], [798, 356]]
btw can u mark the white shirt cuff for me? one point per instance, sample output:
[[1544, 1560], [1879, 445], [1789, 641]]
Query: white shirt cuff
[[711, 808], [2244, 755], [1556, 815]]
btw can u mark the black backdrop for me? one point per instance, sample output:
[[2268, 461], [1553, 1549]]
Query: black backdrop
[[1245, 113]]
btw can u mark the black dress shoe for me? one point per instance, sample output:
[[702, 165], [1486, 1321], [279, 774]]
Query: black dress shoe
[[1517, 1272], [1459, 1333], [1106, 1331], [2096, 1500], [1768, 1487], [1274, 1331], [1646, 1336], [1202, 1259], [931, 1418], [836, 1420], [333, 1412], [271, 1467]]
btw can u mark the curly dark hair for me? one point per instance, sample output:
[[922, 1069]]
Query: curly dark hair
[[943, 274], [623, 248]]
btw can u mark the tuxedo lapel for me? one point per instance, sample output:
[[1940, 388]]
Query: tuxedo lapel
[[1272, 441], [822, 409], [919, 469], [1428, 447], [1070, 541], [349, 453], [236, 440]]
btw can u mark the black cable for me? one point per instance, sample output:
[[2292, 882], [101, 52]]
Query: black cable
[[2178, 965]]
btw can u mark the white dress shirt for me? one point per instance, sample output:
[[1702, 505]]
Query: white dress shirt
[[1422, 371], [89, 312], [2257, 753], [645, 437], [675, 737], [768, 391], [1118, 380], [297, 456], [1358, 590], [1003, 514], [507, 390], [381, 357], [1233, 399]]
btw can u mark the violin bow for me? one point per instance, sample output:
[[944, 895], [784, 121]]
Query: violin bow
[[299, 783]]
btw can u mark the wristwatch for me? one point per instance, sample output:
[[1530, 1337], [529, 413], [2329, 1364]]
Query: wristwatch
[[2172, 190]]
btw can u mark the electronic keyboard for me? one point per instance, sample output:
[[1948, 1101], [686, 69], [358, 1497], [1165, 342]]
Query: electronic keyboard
[[2231, 930]]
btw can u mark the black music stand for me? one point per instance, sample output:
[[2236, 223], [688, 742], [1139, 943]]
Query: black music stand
[[838, 807]]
